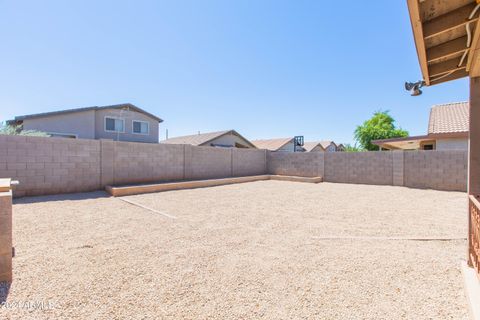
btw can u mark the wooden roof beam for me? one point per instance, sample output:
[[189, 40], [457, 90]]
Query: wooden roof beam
[[447, 49], [448, 21], [416, 22], [445, 67], [448, 77]]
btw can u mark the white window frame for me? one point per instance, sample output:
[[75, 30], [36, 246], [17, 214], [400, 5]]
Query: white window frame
[[148, 127], [115, 118]]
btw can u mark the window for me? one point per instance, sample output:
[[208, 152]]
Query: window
[[140, 127], [114, 124], [428, 147]]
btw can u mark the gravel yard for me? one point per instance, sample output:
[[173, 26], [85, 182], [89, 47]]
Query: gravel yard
[[267, 249]]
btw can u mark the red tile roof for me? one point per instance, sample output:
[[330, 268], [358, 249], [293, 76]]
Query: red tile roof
[[449, 118]]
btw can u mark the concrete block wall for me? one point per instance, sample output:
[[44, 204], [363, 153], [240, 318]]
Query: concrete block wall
[[359, 167], [296, 163], [248, 162], [440, 170], [57, 165], [208, 162], [50, 165], [146, 162]]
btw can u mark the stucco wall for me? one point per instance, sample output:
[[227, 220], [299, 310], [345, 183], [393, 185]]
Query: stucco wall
[[128, 135], [79, 123], [91, 125], [452, 144], [317, 149], [288, 147]]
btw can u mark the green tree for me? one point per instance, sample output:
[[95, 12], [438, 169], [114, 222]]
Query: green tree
[[380, 126], [354, 148], [18, 130]]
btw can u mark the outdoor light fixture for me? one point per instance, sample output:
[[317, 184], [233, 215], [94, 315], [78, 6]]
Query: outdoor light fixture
[[414, 87]]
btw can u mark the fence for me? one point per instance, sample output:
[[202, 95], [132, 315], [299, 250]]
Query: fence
[[474, 234], [440, 170], [57, 165]]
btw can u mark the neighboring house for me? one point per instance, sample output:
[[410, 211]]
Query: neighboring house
[[328, 146], [124, 122], [281, 144], [447, 130], [313, 146], [341, 147], [322, 146], [225, 139]]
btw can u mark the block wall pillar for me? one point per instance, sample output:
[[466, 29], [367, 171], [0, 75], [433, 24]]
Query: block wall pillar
[[107, 162], [398, 167]]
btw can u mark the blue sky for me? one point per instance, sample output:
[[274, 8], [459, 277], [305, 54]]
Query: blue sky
[[265, 68]]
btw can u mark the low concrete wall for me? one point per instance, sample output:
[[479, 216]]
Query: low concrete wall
[[58, 165]]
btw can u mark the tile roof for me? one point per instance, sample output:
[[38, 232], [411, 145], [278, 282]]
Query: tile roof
[[309, 146], [271, 144], [448, 118], [202, 138]]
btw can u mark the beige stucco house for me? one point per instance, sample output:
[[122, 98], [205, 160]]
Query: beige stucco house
[[313, 146], [225, 139], [328, 146], [320, 146], [447, 130], [123, 122]]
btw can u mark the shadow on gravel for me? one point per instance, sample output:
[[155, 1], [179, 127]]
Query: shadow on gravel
[[62, 197]]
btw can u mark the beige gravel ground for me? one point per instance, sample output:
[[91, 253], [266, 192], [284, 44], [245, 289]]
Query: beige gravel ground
[[242, 251]]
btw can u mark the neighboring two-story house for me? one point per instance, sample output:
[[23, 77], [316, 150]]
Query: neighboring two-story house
[[122, 122]]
